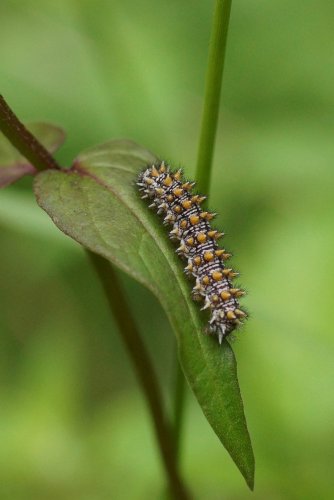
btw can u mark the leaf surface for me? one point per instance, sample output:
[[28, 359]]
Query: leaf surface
[[13, 165], [97, 203]]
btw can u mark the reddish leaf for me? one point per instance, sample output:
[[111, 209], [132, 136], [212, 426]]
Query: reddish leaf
[[13, 165]]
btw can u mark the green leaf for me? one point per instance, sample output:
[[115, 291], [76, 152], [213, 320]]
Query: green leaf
[[97, 203], [13, 166]]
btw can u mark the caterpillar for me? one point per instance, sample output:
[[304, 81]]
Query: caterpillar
[[173, 196]]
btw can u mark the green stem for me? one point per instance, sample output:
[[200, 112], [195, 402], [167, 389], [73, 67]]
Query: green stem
[[212, 93], [144, 370], [23, 140], [204, 162]]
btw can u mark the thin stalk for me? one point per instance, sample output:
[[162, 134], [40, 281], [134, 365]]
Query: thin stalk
[[144, 370], [38, 156], [178, 406], [23, 140], [213, 85]]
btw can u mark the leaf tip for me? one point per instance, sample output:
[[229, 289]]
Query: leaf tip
[[249, 474]]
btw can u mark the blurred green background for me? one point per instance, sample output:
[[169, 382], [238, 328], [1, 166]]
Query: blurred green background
[[73, 424]]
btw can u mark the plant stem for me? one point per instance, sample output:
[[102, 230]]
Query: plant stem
[[144, 370], [38, 156], [23, 140], [213, 85], [212, 93], [178, 405]]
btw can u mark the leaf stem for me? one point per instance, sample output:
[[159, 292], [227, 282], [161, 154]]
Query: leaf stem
[[23, 140], [212, 93], [144, 370], [213, 84], [178, 405], [38, 156]]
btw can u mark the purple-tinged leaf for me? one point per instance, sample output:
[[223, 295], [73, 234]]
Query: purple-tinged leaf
[[13, 165]]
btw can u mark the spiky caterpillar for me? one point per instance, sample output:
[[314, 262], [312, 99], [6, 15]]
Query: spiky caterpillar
[[172, 196]]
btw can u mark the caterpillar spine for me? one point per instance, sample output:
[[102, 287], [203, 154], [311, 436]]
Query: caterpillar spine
[[172, 196]]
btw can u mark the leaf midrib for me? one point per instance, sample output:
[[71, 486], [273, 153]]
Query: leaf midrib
[[155, 236]]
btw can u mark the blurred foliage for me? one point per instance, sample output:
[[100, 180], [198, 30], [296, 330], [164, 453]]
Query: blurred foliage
[[72, 422]]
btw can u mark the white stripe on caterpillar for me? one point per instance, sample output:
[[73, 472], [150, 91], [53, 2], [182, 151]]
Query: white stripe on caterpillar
[[172, 196]]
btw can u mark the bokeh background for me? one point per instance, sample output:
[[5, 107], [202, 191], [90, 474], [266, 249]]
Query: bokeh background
[[73, 424]]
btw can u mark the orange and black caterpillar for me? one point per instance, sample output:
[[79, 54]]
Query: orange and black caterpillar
[[172, 196]]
